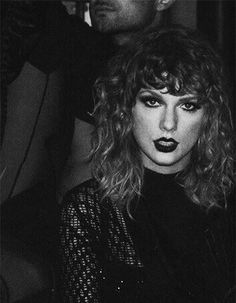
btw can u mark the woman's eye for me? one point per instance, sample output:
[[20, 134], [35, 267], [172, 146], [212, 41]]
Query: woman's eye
[[150, 102], [190, 106]]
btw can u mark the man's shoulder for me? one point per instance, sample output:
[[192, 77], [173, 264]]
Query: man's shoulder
[[88, 42]]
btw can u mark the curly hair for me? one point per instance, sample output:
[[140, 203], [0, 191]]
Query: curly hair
[[180, 60]]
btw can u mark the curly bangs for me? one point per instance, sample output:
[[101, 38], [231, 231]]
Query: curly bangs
[[179, 60]]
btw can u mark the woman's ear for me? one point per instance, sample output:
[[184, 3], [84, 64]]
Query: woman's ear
[[161, 5]]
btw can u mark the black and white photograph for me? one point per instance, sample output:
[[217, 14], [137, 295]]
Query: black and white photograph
[[118, 151]]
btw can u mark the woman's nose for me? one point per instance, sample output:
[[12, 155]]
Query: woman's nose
[[169, 120]]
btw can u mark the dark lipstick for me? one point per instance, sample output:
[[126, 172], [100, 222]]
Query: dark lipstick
[[165, 145]]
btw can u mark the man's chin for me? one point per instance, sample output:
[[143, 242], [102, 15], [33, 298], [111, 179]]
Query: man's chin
[[103, 24], [103, 29]]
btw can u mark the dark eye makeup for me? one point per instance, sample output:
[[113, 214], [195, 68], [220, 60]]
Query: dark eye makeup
[[150, 101], [190, 106], [153, 101]]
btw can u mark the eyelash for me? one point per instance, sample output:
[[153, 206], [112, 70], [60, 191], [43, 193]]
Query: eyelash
[[147, 100], [194, 107]]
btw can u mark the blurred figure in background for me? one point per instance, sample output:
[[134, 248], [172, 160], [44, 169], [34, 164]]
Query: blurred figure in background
[[55, 59], [117, 22]]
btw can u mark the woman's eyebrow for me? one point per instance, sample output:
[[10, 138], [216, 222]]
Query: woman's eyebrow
[[188, 98], [150, 92], [161, 96], [153, 94]]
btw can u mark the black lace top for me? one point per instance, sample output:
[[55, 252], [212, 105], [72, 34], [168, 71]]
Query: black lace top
[[168, 253]]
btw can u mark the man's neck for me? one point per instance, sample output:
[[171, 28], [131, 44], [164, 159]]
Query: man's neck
[[122, 38]]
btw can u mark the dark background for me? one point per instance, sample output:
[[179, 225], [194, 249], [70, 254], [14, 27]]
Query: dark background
[[31, 157]]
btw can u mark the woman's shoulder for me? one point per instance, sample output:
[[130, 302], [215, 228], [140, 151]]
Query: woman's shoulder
[[223, 215], [83, 198], [89, 187], [221, 222]]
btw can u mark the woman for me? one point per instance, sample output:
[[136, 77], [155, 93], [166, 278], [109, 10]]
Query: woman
[[152, 225]]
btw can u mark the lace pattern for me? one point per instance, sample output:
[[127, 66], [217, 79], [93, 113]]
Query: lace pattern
[[90, 232]]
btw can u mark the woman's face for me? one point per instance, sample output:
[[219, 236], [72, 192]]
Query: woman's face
[[166, 128]]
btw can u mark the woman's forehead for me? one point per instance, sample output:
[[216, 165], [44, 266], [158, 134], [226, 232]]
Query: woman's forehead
[[164, 90]]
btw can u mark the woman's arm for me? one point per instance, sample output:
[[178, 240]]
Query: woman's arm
[[79, 248]]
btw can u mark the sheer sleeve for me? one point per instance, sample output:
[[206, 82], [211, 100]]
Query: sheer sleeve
[[79, 246]]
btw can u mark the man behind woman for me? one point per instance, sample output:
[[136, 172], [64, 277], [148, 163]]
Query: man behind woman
[[152, 225]]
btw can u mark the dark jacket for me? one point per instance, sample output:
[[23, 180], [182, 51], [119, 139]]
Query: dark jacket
[[103, 261]]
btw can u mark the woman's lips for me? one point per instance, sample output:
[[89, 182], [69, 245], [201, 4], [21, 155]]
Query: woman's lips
[[165, 145]]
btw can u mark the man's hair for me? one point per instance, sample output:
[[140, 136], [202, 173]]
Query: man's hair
[[181, 61]]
